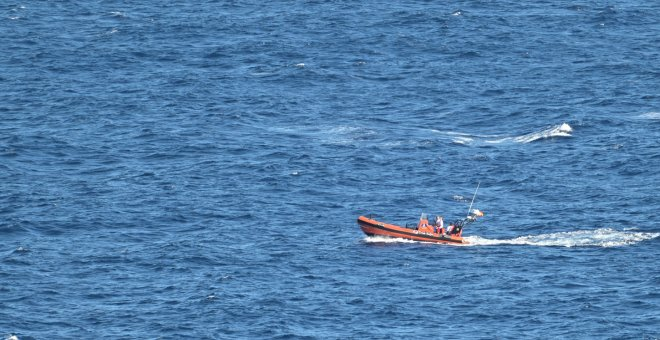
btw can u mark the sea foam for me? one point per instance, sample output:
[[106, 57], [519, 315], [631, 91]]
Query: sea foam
[[650, 115], [384, 239], [604, 237], [554, 131], [561, 130]]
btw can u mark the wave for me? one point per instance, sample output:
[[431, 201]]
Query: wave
[[650, 115], [604, 237], [561, 130], [346, 135]]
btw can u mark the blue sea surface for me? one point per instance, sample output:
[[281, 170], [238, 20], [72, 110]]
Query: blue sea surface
[[195, 169]]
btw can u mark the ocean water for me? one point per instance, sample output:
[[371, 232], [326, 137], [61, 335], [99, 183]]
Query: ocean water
[[195, 169]]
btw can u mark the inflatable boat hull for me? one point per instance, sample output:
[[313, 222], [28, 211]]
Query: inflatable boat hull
[[372, 227]]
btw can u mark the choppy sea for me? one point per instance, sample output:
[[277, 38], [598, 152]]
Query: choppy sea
[[195, 169]]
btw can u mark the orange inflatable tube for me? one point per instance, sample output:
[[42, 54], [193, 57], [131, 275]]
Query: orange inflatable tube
[[424, 232]]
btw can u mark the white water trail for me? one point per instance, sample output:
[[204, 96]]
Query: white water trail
[[384, 239], [604, 237]]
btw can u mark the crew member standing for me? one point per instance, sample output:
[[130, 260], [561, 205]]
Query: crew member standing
[[439, 224]]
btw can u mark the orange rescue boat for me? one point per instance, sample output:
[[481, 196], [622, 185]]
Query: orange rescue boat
[[423, 231]]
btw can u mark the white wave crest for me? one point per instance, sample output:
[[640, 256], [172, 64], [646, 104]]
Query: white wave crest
[[604, 237], [463, 140], [561, 130], [650, 115]]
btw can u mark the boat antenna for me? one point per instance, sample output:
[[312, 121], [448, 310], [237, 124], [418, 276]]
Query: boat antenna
[[473, 197]]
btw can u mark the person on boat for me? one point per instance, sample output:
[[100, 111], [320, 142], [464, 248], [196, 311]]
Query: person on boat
[[458, 230], [439, 225], [450, 228], [455, 228]]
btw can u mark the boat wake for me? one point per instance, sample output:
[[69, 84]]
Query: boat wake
[[604, 237], [383, 239], [561, 130]]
